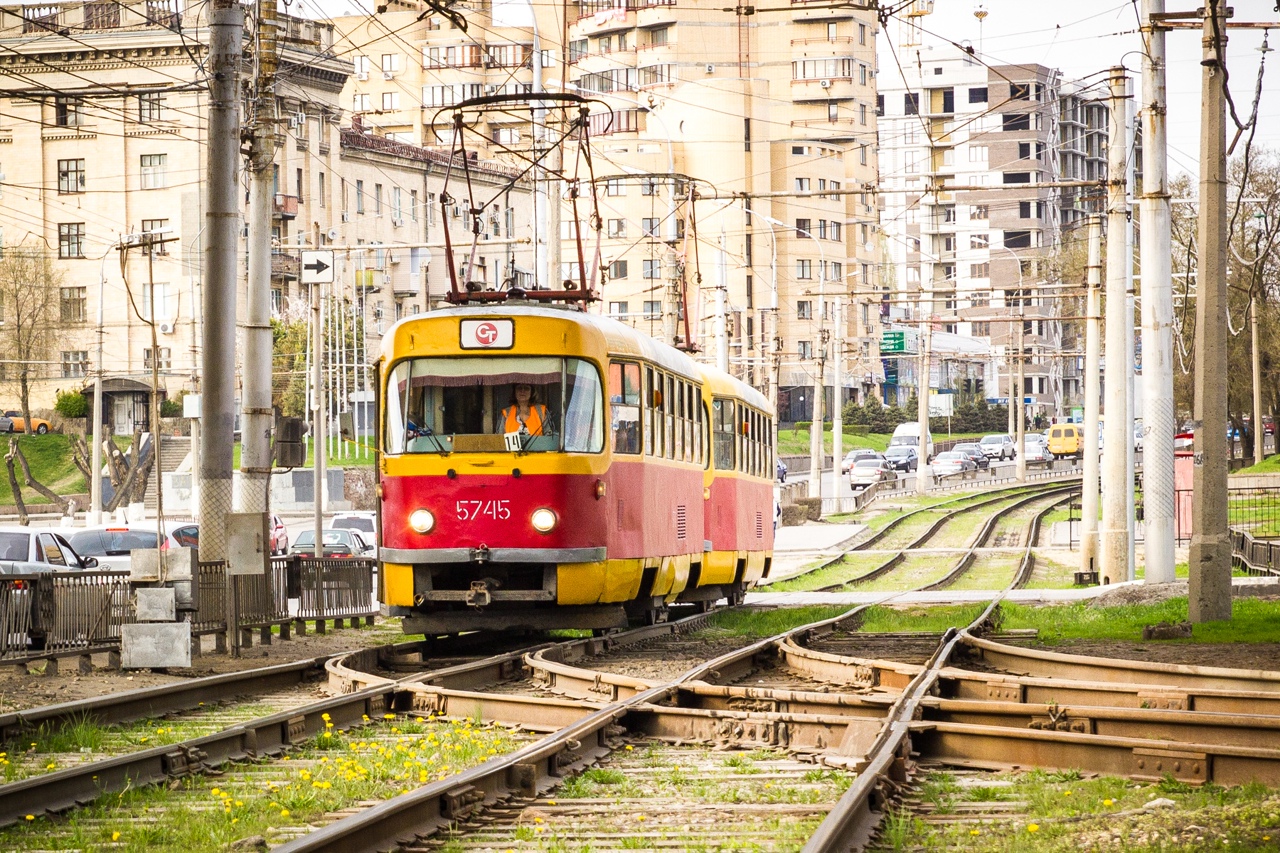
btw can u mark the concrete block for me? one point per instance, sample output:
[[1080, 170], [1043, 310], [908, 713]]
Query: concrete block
[[155, 645], [144, 565], [157, 604]]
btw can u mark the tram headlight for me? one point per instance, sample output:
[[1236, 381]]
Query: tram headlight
[[543, 520], [421, 520]]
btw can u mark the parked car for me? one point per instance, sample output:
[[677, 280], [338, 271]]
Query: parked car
[[998, 447], [854, 455], [974, 452], [782, 471], [26, 550], [279, 536], [6, 423], [1036, 452], [902, 458], [336, 543], [952, 462], [17, 423], [365, 522], [111, 544], [870, 470]]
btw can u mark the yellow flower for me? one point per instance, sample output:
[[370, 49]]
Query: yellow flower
[[31, 817], [324, 717], [640, 818], [388, 716], [975, 832], [1108, 802], [239, 803], [1066, 793], [1034, 827], [115, 836], [551, 802], [630, 747], [284, 813], [215, 792]]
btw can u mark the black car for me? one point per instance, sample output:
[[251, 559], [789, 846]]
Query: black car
[[974, 452], [902, 457]]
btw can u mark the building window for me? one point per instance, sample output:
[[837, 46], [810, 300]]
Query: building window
[[1027, 210], [1019, 91], [648, 186], [166, 360], [802, 185], [617, 310], [982, 270], [649, 226], [614, 187], [391, 62], [149, 106], [68, 112], [390, 101], [359, 196], [413, 205], [978, 241], [72, 304], [155, 226], [980, 211], [153, 169], [911, 104], [159, 294], [1017, 177], [71, 240], [618, 269], [71, 176], [617, 228], [74, 363], [377, 199], [804, 310], [1017, 239], [805, 349], [978, 95], [652, 309], [862, 114], [1015, 121], [360, 102], [804, 227], [880, 105], [650, 268], [804, 268]]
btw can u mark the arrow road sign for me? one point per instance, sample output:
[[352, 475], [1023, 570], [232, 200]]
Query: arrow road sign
[[317, 267]]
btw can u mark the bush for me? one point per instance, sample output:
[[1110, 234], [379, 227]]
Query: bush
[[170, 409], [812, 508], [793, 515], [72, 404], [801, 426], [857, 429]]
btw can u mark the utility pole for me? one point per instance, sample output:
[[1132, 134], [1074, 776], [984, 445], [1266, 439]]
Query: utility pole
[[1119, 423], [1020, 434], [816, 450], [671, 305], [928, 232], [255, 457], [1259, 431], [1130, 352], [722, 297], [1157, 310], [319, 412], [222, 227], [837, 401], [1092, 392], [1209, 587]]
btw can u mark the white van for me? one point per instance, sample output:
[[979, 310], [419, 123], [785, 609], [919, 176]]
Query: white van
[[909, 434]]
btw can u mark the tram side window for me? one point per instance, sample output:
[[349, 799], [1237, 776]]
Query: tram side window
[[624, 400], [669, 418], [650, 412], [583, 415], [690, 453], [722, 439]]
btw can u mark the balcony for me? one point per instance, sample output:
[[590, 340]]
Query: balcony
[[822, 89], [285, 265], [284, 206]]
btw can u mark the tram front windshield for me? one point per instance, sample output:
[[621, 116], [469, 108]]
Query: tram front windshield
[[494, 405]]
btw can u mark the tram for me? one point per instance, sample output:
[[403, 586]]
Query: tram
[[543, 467]]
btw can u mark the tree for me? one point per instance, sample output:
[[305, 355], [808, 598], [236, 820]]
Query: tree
[[30, 306]]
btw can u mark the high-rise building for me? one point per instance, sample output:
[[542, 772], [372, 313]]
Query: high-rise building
[[733, 154], [969, 155]]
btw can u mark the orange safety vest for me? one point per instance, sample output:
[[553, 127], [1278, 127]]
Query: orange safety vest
[[533, 423]]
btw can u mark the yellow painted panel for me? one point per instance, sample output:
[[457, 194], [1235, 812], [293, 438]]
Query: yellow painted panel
[[755, 565], [580, 583], [622, 579], [680, 567], [396, 580], [665, 578], [718, 567]]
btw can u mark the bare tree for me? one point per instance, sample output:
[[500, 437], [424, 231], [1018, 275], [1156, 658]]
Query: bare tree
[[30, 306]]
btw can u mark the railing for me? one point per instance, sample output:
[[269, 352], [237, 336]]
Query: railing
[[1252, 509], [53, 614], [1256, 556], [335, 588]]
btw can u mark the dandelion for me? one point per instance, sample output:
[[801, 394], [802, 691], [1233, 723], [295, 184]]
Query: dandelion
[[551, 802], [1066, 793], [31, 817], [1108, 802], [975, 832], [325, 717], [284, 813], [388, 716], [115, 836], [239, 803], [1034, 827], [640, 818], [630, 747], [216, 792]]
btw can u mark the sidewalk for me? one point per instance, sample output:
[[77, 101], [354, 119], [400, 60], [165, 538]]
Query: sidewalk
[[797, 547]]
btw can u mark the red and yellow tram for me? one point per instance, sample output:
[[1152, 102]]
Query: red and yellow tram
[[645, 478]]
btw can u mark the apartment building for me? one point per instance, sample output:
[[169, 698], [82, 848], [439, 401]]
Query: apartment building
[[103, 123], [989, 250], [733, 155]]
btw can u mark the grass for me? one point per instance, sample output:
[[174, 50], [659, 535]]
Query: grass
[[1252, 621], [760, 623], [1065, 811], [1270, 465], [332, 460], [49, 456]]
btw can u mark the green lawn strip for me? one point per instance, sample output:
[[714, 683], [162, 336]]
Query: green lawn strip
[[988, 572], [914, 571], [1064, 811], [273, 798], [853, 565], [51, 464], [1270, 465], [757, 622], [1252, 620], [1054, 569], [880, 619]]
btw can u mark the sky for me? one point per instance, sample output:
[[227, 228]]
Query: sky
[[1083, 38]]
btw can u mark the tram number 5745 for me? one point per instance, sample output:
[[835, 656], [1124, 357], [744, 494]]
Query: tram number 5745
[[498, 510]]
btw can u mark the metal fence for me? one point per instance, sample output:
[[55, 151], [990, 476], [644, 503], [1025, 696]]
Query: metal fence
[[1260, 556], [53, 614], [294, 589], [1254, 509]]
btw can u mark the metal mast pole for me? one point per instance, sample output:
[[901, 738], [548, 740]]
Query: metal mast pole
[[218, 308], [1115, 526], [837, 416], [1092, 380], [1020, 428], [1210, 563], [1259, 431], [1130, 352], [253, 494], [1157, 311], [318, 415], [927, 233]]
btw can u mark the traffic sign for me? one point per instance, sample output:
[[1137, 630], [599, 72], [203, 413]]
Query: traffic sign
[[893, 342], [317, 267]]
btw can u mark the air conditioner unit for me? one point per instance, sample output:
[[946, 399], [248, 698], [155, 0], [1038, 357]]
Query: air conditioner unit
[[362, 75], [386, 278], [393, 259], [826, 84], [491, 89], [711, 69], [346, 217], [165, 327], [397, 222], [388, 75]]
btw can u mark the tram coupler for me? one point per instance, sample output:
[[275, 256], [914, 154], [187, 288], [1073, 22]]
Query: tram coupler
[[478, 595], [480, 555]]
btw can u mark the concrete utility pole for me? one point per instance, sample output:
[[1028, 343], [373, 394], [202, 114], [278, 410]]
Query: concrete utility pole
[[1020, 431], [837, 401], [928, 230], [1210, 563], [319, 411], [1157, 310], [1092, 394], [1259, 431], [1115, 532], [218, 308], [1130, 350], [816, 450], [722, 297], [253, 495]]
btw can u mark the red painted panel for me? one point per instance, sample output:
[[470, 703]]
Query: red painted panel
[[731, 522]]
